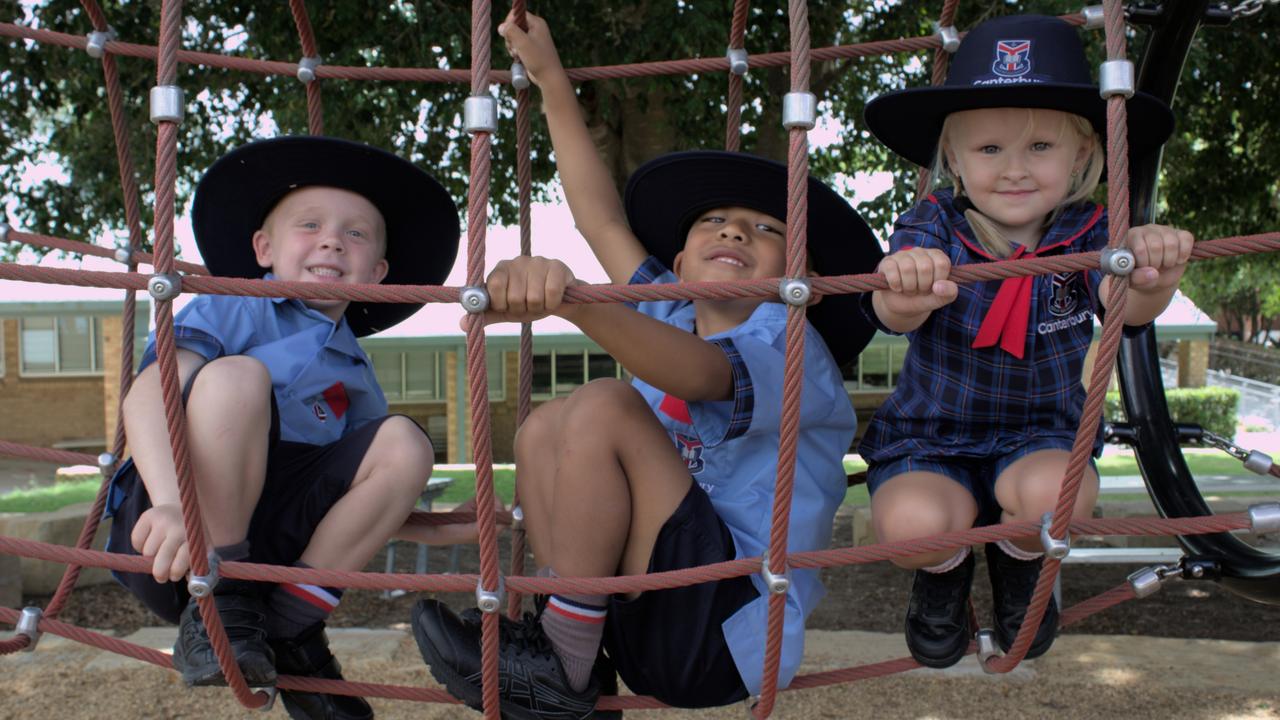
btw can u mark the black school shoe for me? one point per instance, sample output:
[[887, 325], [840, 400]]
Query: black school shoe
[[938, 626], [308, 655], [1013, 582], [531, 681], [244, 617]]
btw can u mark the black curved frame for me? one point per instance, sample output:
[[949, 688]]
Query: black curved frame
[[1243, 569]]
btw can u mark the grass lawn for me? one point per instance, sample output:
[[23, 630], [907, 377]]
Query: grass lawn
[[45, 499]]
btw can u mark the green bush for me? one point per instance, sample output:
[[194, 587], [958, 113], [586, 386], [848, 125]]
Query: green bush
[[1213, 409]]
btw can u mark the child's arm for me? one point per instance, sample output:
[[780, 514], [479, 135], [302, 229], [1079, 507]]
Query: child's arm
[[675, 361], [918, 285], [1161, 254], [159, 531], [597, 209]]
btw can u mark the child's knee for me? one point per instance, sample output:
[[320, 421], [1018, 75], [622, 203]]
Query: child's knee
[[539, 431], [232, 378], [896, 521], [602, 405], [401, 443]]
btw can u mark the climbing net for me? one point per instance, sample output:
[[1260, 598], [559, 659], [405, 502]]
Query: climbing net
[[166, 283]]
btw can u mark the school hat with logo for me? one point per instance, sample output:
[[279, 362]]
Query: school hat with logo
[[665, 195], [1026, 61], [237, 192]]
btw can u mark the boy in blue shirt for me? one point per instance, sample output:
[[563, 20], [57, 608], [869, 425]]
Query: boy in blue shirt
[[677, 469], [296, 460]]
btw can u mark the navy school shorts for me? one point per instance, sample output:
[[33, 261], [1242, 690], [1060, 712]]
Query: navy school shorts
[[303, 482], [669, 643]]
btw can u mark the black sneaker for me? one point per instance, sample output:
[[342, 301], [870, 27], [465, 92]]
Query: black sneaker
[[1013, 582], [243, 616], [531, 681], [308, 655], [938, 618]]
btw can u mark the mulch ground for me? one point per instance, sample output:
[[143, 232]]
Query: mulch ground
[[861, 597]]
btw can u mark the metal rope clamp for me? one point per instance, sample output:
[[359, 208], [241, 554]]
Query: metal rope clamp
[[778, 583], [165, 286], [203, 585], [949, 36], [1053, 547], [799, 110], [106, 464], [738, 60], [124, 255], [480, 114], [474, 299], [1264, 518], [1147, 581], [1094, 17], [271, 692], [795, 291], [1115, 77], [4, 231], [519, 76], [517, 518], [167, 103], [987, 650], [29, 625], [96, 45], [1258, 462], [1116, 261], [490, 600], [307, 68]]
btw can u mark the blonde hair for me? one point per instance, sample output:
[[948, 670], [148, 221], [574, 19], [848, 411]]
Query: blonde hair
[[1081, 186]]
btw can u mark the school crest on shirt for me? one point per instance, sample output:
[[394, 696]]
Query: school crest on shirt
[[1066, 293], [1013, 58], [333, 399], [691, 452]]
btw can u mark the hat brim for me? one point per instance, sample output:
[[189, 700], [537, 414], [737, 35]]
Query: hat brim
[[666, 195], [236, 193], [909, 121]]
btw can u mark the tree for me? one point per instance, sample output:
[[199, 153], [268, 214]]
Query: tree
[[1226, 109]]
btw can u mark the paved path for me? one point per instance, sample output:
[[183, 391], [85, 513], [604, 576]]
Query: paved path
[[1085, 676]]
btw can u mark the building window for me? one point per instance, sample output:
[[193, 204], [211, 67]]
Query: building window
[[875, 370], [496, 361], [410, 376], [559, 372], [60, 345]]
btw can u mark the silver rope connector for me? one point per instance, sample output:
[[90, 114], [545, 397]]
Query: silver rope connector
[[167, 103], [490, 600], [1264, 518], [988, 650], [795, 291], [778, 583], [203, 585], [519, 76], [4, 231], [480, 114], [517, 518], [1094, 17], [270, 692], [474, 299], [949, 36], [307, 68], [1258, 462], [96, 45], [124, 255], [1147, 581], [165, 286], [29, 625], [738, 60], [799, 110], [1115, 77], [106, 464], [1116, 261], [1053, 547]]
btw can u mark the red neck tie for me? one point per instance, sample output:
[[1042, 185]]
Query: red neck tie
[[1006, 319]]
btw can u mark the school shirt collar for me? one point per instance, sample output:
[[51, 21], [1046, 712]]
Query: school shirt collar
[[1005, 321], [340, 337]]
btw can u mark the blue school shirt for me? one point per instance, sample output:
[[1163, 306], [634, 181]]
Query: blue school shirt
[[323, 382], [731, 450], [956, 400]]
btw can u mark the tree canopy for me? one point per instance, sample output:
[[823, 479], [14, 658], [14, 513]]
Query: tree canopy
[[1218, 177]]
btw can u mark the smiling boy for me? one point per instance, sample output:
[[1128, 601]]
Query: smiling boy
[[296, 460]]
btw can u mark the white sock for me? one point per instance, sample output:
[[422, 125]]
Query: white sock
[[1018, 553], [951, 564]]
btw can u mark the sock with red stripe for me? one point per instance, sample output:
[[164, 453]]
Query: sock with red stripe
[[294, 607], [575, 625]]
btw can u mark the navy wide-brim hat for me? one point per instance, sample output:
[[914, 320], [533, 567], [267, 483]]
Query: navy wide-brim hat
[[1026, 61], [666, 195], [236, 193]]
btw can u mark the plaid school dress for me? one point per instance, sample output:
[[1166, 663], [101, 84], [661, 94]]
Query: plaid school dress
[[1000, 365]]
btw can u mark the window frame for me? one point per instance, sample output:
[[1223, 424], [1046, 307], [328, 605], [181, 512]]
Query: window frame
[[586, 353], [96, 364]]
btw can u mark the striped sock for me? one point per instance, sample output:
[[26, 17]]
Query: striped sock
[[575, 625], [1018, 553], [949, 565], [294, 607]]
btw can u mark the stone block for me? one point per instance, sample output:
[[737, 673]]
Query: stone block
[[60, 527], [864, 532]]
